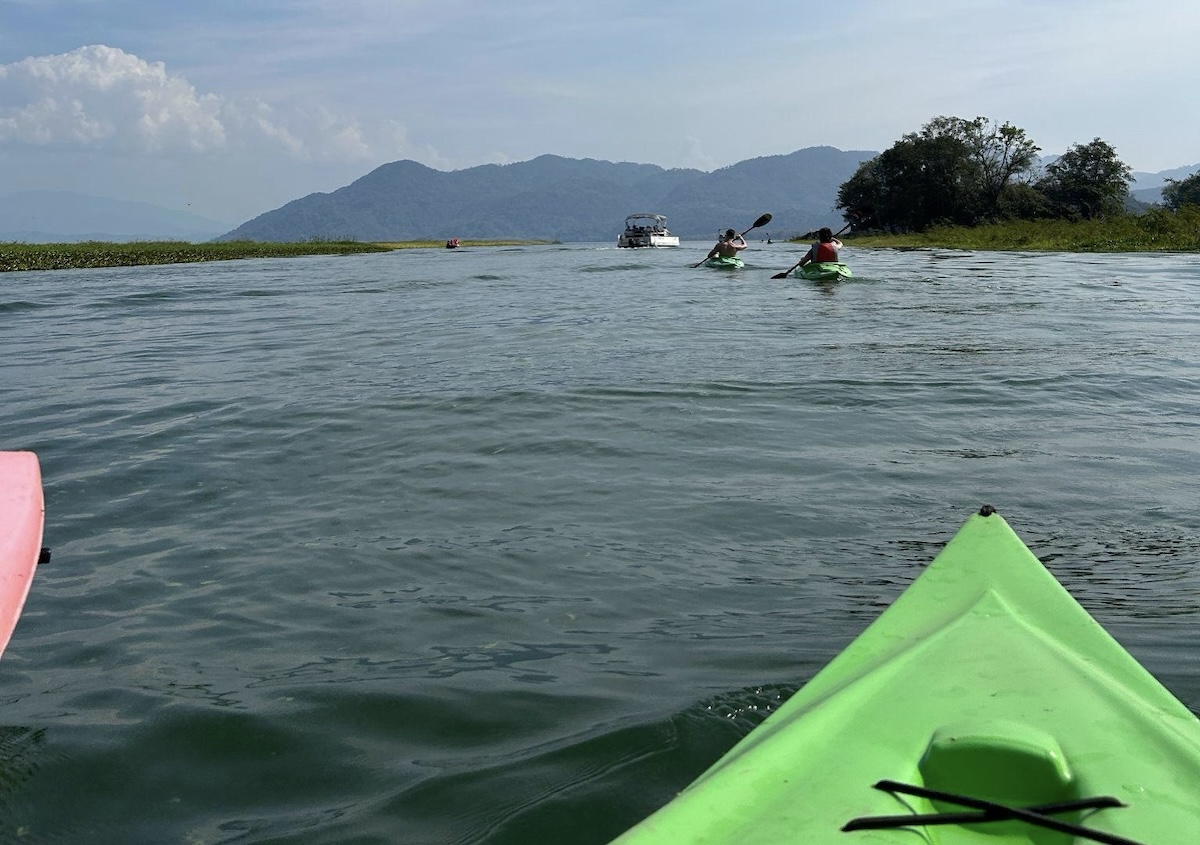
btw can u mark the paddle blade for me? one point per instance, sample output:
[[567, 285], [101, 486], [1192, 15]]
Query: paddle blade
[[779, 276], [762, 221]]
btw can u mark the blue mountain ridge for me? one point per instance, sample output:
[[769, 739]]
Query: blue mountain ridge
[[564, 199], [549, 197]]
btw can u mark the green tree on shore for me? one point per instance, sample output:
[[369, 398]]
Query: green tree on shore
[[1179, 193], [1087, 182], [919, 180], [961, 172], [1004, 154], [952, 171]]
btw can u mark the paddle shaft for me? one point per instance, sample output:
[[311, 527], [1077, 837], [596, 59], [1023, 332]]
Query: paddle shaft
[[762, 221], [785, 273]]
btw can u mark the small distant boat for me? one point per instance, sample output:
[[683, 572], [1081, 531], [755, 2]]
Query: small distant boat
[[646, 229], [453, 243]]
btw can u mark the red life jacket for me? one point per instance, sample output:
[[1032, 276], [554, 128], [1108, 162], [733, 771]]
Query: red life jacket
[[825, 252]]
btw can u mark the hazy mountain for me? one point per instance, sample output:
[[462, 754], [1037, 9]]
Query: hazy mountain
[[549, 197], [66, 217], [1147, 187], [565, 199], [1142, 181]]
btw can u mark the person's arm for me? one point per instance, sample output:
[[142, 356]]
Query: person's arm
[[836, 243], [808, 256], [739, 242]]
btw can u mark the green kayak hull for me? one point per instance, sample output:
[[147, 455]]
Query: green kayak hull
[[731, 263], [824, 272], [986, 681]]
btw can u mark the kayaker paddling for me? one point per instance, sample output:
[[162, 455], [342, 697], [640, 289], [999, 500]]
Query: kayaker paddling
[[826, 244], [728, 246], [824, 250]]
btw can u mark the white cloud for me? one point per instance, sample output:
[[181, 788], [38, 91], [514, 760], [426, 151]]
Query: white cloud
[[107, 100], [100, 96]]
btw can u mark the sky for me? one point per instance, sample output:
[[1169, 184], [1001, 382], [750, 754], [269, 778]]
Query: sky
[[231, 108]]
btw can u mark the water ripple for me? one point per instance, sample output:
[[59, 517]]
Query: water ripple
[[509, 545]]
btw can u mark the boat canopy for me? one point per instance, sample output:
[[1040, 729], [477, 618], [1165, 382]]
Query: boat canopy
[[645, 215]]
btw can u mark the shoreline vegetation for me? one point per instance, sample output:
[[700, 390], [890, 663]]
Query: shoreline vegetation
[[1157, 230], [87, 254]]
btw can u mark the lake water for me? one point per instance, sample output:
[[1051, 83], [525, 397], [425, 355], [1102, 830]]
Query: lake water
[[506, 545]]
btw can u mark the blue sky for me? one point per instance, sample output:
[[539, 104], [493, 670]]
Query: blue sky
[[230, 109]]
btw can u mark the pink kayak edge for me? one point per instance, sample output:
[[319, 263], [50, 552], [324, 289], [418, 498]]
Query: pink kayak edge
[[22, 517]]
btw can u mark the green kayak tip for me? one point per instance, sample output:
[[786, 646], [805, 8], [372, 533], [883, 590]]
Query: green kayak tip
[[985, 706]]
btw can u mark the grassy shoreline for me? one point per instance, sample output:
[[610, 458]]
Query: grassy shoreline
[[67, 256], [1155, 231]]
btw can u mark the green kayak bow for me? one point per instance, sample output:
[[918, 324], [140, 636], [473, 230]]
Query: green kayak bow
[[984, 707]]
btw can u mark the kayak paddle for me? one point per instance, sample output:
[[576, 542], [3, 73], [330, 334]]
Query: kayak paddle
[[759, 223], [785, 273]]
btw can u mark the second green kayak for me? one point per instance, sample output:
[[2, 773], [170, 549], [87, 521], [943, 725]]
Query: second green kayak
[[984, 707], [825, 271]]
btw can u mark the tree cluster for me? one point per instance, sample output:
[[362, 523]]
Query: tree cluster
[[969, 172]]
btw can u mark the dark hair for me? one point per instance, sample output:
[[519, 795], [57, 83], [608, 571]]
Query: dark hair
[[826, 234], [729, 233]]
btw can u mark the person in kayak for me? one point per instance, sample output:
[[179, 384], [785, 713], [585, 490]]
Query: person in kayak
[[728, 246], [825, 250]]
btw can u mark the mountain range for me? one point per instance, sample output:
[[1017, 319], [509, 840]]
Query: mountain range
[[549, 198], [1147, 187], [563, 199]]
